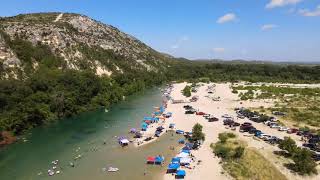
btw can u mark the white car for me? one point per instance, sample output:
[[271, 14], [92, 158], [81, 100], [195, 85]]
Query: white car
[[226, 116], [267, 122], [265, 136], [283, 128], [275, 126]]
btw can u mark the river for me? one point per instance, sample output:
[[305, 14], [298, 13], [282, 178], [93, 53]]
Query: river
[[85, 135]]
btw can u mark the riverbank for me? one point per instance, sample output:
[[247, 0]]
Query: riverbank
[[7, 138], [210, 167]]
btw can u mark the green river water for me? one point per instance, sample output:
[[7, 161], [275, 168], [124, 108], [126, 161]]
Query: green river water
[[85, 135]]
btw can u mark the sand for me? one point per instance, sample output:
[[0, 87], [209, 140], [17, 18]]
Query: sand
[[210, 168]]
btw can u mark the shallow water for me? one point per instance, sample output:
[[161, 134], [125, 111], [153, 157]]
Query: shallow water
[[85, 135]]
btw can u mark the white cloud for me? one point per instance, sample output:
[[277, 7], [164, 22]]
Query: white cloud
[[218, 50], [307, 12], [227, 18], [179, 42], [281, 3], [268, 27]]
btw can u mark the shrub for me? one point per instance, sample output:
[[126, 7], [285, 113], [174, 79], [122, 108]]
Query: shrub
[[223, 137], [187, 91], [288, 145], [197, 133], [238, 152], [303, 162]]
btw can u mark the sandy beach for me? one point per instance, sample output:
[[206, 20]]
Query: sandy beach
[[209, 168]]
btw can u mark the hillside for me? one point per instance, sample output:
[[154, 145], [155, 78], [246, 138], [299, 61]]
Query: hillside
[[55, 65], [78, 41]]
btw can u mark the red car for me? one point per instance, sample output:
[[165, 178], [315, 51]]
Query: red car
[[292, 131], [200, 113]]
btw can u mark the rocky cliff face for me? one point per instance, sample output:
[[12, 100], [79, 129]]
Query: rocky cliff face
[[81, 42]]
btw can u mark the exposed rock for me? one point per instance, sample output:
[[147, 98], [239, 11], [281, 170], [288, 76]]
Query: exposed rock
[[68, 36]]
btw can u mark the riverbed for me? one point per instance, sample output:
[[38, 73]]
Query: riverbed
[[89, 142]]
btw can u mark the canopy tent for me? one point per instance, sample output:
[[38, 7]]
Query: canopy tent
[[159, 159], [175, 160], [179, 131], [185, 161], [189, 145], [151, 159], [181, 172], [144, 125], [138, 135], [160, 128], [183, 155], [168, 115], [121, 137], [171, 125], [133, 130], [173, 166], [186, 148], [124, 141], [161, 109], [147, 121], [157, 113], [148, 118], [185, 151], [157, 133]]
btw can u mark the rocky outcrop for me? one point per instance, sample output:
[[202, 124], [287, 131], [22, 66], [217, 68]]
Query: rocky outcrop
[[69, 36]]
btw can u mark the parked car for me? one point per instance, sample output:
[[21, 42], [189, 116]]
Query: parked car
[[200, 113], [226, 116], [189, 112], [212, 119], [282, 128], [252, 130], [267, 123], [187, 107], [207, 115], [247, 124], [257, 133], [275, 126], [241, 116], [316, 156], [292, 130]]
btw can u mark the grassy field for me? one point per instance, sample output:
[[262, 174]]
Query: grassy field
[[301, 105], [242, 162]]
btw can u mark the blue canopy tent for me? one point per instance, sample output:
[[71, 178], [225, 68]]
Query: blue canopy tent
[[181, 141], [157, 113], [186, 148], [155, 119], [144, 126], [171, 125], [185, 151], [173, 167], [161, 109], [159, 160], [175, 160], [190, 145], [148, 118], [179, 131], [180, 174]]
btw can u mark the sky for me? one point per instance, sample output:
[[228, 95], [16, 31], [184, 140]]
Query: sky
[[274, 30]]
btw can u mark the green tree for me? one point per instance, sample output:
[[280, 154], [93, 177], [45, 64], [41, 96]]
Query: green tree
[[187, 91], [197, 133], [303, 162], [288, 145]]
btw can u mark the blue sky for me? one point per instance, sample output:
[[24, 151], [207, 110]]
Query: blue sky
[[278, 30]]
